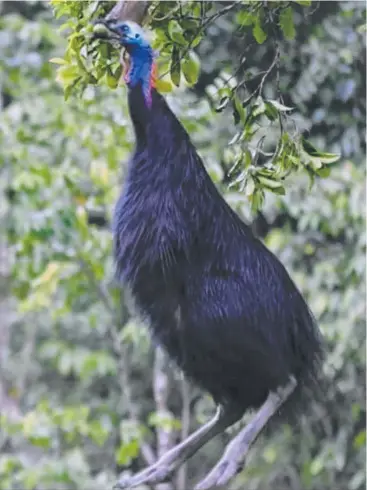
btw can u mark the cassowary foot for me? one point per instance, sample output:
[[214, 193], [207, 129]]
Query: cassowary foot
[[163, 469], [227, 468], [157, 473], [233, 459]]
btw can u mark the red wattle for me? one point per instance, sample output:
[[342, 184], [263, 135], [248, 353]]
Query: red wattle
[[154, 75]]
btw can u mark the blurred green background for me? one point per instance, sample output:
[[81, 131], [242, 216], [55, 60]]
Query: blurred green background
[[83, 393]]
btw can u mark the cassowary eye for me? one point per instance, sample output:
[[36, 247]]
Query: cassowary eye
[[137, 36]]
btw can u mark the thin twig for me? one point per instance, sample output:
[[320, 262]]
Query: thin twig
[[161, 393], [129, 10], [218, 14], [167, 15], [185, 428], [259, 88], [270, 69]]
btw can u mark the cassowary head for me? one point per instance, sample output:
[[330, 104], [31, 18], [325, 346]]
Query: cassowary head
[[141, 69], [127, 33]]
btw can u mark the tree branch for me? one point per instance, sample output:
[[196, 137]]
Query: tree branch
[[134, 10], [161, 392], [185, 429]]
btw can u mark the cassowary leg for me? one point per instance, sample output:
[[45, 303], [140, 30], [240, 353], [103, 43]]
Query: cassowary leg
[[162, 470], [234, 456]]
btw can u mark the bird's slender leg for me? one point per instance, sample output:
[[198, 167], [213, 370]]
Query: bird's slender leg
[[234, 456], [173, 459]]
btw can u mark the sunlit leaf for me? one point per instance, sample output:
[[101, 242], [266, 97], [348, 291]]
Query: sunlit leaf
[[259, 34], [191, 67], [286, 23], [58, 61], [278, 106]]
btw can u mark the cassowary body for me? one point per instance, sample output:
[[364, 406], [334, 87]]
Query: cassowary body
[[219, 302]]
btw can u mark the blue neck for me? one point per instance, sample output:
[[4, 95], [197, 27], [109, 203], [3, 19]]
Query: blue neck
[[141, 63]]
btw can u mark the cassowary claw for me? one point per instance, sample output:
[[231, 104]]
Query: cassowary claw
[[157, 473], [233, 459], [234, 456], [226, 469]]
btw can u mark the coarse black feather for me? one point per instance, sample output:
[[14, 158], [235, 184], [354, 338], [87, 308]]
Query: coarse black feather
[[219, 302]]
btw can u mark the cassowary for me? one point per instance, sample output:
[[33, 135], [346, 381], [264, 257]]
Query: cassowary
[[219, 302]]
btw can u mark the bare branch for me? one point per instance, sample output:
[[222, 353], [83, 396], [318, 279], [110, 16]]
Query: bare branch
[[185, 429], [259, 88], [161, 392], [134, 10]]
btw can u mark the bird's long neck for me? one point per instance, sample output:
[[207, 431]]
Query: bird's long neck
[[159, 135], [142, 70], [167, 166], [155, 124], [164, 152]]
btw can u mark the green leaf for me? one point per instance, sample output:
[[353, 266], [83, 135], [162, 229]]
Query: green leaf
[[111, 80], [67, 74], [270, 455], [309, 148], [250, 186], [39, 440], [360, 439], [278, 190], [278, 106], [305, 3], [257, 200], [258, 32], [328, 157], [127, 452], [316, 466], [271, 184], [245, 18], [196, 41], [286, 23], [191, 67], [270, 111], [163, 86], [165, 421], [175, 33], [259, 108], [324, 172], [239, 108], [58, 61], [175, 69], [323, 157]]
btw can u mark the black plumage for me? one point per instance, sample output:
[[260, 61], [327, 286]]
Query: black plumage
[[216, 298]]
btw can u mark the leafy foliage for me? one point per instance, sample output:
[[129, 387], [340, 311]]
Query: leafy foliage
[[178, 28]]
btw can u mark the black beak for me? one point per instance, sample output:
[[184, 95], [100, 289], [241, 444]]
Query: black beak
[[104, 29]]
